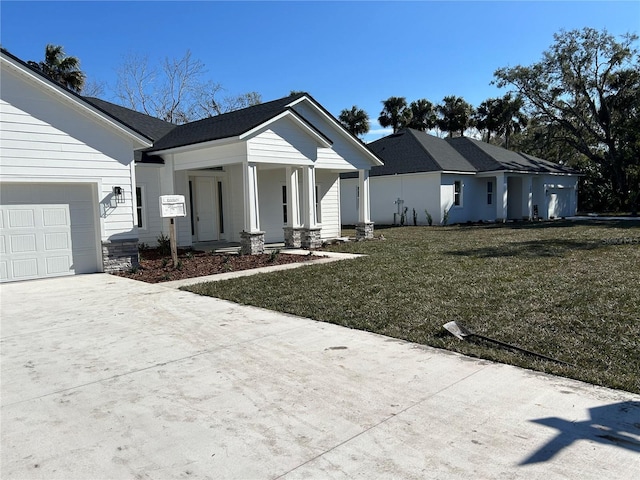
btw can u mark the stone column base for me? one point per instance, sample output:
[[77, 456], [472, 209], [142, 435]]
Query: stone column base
[[293, 237], [310, 238], [119, 255], [251, 243], [364, 231]]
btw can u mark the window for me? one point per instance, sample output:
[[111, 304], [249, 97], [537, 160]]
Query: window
[[457, 193], [357, 198], [141, 223], [284, 204], [489, 193], [220, 209]]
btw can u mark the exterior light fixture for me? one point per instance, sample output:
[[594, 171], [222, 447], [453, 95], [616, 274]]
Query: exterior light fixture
[[118, 193]]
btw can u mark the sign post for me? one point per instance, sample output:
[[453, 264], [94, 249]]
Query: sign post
[[172, 206]]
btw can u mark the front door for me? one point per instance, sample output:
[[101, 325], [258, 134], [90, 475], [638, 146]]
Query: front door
[[206, 209]]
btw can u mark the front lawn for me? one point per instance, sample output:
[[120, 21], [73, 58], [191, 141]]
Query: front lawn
[[567, 290]]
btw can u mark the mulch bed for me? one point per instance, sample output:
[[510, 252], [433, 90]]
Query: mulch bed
[[156, 267]]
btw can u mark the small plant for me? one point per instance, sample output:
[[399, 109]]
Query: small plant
[[164, 244], [179, 265], [134, 269], [429, 217], [189, 255], [445, 216], [274, 255], [403, 216], [165, 262], [415, 218], [143, 246]]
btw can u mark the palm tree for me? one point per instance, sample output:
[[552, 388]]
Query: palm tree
[[487, 116], [63, 69], [511, 119], [394, 113], [355, 120], [423, 115], [455, 115]]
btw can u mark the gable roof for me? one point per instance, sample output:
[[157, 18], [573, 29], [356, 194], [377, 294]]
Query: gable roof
[[69, 95], [231, 124], [486, 157], [151, 127], [413, 151]]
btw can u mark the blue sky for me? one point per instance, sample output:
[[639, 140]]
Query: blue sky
[[343, 53]]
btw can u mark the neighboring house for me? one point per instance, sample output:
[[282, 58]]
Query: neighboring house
[[468, 179], [80, 178], [66, 177]]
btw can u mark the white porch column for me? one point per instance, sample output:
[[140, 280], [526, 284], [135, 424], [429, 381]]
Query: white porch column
[[364, 228], [364, 207], [309, 197], [251, 238], [502, 192], [293, 197], [293, 231], [527, 198], [251, 208]]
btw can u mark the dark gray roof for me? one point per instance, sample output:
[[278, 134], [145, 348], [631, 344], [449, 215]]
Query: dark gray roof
[[486, 157], [413, 151], [226, 125], [151, 127]]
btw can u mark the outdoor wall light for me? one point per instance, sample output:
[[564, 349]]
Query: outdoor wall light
[[118, 193]]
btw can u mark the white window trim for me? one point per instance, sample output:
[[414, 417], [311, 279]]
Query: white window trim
[[461, 196]]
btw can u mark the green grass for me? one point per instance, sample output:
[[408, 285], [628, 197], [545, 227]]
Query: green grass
[[565, 289]]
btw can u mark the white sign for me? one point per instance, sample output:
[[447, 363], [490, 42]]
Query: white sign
[[172, 206]]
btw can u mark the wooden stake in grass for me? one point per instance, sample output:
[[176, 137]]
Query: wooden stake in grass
[[173, 242]]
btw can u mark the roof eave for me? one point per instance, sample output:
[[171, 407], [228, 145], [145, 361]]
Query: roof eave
[[76, 99]]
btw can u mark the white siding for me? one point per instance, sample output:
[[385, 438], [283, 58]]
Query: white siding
[[147, 176], [235, 203], [419, 191], [270, 184], [282, 143], [44, 139], [211, 156], [329, 191]]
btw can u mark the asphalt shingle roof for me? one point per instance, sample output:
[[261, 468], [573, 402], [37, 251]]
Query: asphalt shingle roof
[[151, 127], [223, 126], [413, 151], [486, 157]]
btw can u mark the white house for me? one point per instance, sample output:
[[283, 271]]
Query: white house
[[266, 173], [461, 178], [66, 177], [80, 178]]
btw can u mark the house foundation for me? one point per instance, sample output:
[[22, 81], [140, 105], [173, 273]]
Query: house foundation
[[251, 243], [119, 255], [364, 230]]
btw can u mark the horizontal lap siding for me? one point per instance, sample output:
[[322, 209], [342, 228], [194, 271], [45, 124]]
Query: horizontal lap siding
[[282, 143], [148, 178], [46, 140], [329, 190]]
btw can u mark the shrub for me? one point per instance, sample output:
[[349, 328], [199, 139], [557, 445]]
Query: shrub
[[164, 244]]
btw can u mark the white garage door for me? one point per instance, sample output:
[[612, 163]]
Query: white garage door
[[47, 230], [559, 202]]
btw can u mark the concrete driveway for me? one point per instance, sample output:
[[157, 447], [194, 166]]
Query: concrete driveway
[[109, 378]]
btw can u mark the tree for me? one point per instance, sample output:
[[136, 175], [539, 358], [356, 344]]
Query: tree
[[174, 91], [394, 113], [455, 115], [355, 120], [61, 68], [487, 117], [586, 89], [510, 118], [423, 115]]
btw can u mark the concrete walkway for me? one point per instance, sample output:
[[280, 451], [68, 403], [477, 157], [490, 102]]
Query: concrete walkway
[[108, 378]]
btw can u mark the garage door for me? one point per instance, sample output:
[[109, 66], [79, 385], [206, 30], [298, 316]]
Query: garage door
[[559, 202], [47, 230]]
